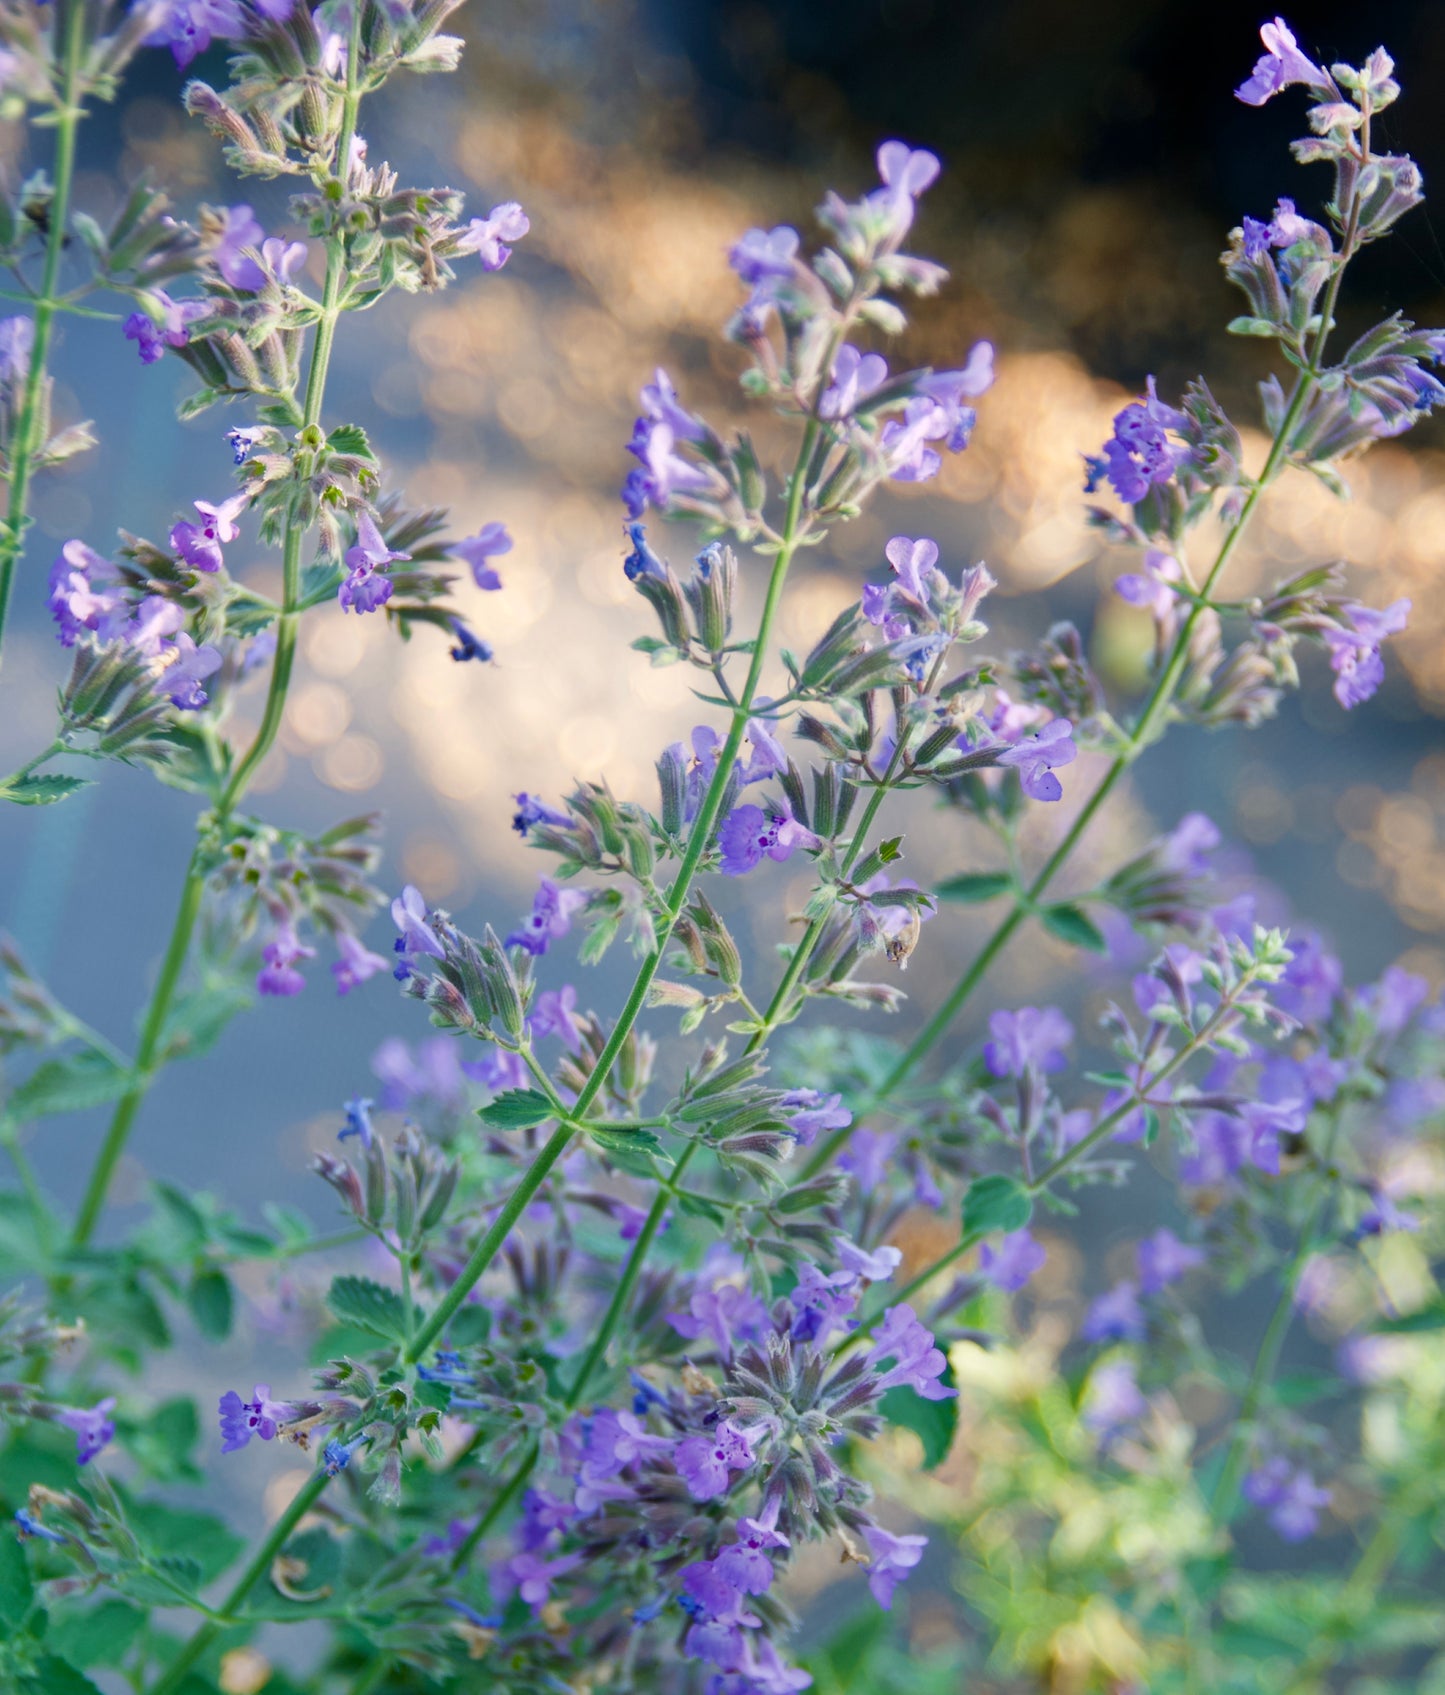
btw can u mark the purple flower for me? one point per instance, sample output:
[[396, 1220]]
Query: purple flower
[[364, 589], [893, 1558], [1115, 1316], [336, 1455], [913, 562], [906, 173], [1383, 1215], [188, 27], [744, 1563], [902, 1338], [1187, 847], [1035, 758], [155, 620], [809, 1112], [468, 645], [1112, 1400], [1355, 652], [1291, 1497], [356, 963], [408, 913], [1280, 65], [763, 255], [748, 833], [1266, 1122], [1139, 455], [241, 235], [951, 388], [722, 1314], [855, 376], [1221, 1145], [200, 544], [1011, 1263], [282, 259], [189, 666], [86, 594], [491, 541], [705, 1463], [17, 338], [241, 1420], [532, 1576], [93, 1427], [1031, 1037], [867, 1157], [358, 1122], [876, 1266], [904, 441], [279, 975], [550, 918], [153, 336], [1395, 999], [28, 1526], [488, 237], [1163, 1259]]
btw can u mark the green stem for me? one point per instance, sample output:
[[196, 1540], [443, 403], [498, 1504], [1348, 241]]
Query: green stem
[[26, 444], [286, 624], [260, 1563], [500, 1502]]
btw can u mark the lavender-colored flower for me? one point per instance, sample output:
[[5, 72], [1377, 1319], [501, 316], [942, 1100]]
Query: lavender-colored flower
[[1266, 1122], [913, 563], [1280, 65], [188, 27], [876, 1265], [1163, 1259], [745, 1563], [243, 442], [188, 668], [93, 1427], [532, 1576], [906, 173], [1291, 1497], [336, 1455], [905, 441], [241, 236], [893, 1558], [1221, 1146], [1010, 1263], [822, 1302], [365, 589], [1031, 1037], [1394, 1000], [86, 594], [809, 1112], [1139, 455], [867, 1157], [153, 335], [200, 544], [855, 376], [490, 542], [355, 964], [241, 1420], [904, 1339], [488, 237], [408, 913], [17, 338], [1115, 1316], [358, 1121], [468, 645], [725, 1315], [550, 918], [1035, 758], [279, 976], [764, 255], [1383, 1216], [156, 619], [1113, 1400], [749, 833], [282, 259], [705, 1463], [1355, 652]]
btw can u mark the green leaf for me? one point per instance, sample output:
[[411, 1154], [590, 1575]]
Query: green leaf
[[99, 1637], [1252, 326], [995, 1203], [698, 1206], [469, 1325], [516, 1109], [15, 1589], [933, 1422], [359, 1301], [161, 1443], [198, 1017], [52, 1676], [41, 791], [891, 849], [209, 1298], [972, 887], [123, 1316], [174, 1536], [1073, 925], [22, 1253], [1413, 1323], [201, 401], [67, 1085], [631, 1150], [350, 438]]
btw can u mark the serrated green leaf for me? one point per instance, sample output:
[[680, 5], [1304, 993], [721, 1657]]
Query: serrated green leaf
[[631, 1150], [178, 1538], [99, 1637], [201, 401], [933, 1422], [41, 791], [53, 1676], [350, 438], [1073, 925], [67, 1085], [209, 1298], [359, 1301], [16, 1592], [698, 1206], [516, 1109], [995, 1203], [199, 1016], [971, 887]]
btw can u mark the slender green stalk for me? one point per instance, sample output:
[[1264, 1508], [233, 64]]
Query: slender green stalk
[[260, 1563], [188, 911], [70, 21]]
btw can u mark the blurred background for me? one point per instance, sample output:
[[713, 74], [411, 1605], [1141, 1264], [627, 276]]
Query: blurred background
[[1094, 161]]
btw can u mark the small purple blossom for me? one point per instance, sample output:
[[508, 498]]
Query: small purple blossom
[[86, 594], [358, 1121], [1163, 1259], [355, 962], [917, 1362], [1139, 455], [153, 334], [532, 1575], [409, 914], [279, 976], [1115, 1316], [1010, 1263], [749, 833], [725, 1314], [764, 255], [875, 1266], [468, 645], [188, 27], [488, 237], [490, 542], [336, 1455], [93, 1427], [188, 667], [855, 376], [745, 1563], [913, 564], [1113, 1400], [705, 1463], [200, 544], [1035, 758], [894, 1557], [550, 918], [1291, 1497], [1280, 65], [1032, 1037], [240, 236], [261, 1417], [1355, 651], [810, 1112]]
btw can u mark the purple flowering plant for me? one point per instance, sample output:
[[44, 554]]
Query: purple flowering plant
[[634, 1314]]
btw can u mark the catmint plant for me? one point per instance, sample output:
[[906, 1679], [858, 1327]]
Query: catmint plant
[[634, 1313]]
